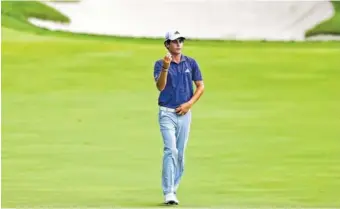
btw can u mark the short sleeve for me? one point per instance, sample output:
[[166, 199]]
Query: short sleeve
[[157, 70], [196, 71]]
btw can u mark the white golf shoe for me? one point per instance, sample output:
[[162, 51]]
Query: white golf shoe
[[171, 199]]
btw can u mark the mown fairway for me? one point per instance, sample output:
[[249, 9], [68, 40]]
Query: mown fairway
[[79, 124]]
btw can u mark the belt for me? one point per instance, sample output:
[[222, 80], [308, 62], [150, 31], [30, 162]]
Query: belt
[[167, 109]]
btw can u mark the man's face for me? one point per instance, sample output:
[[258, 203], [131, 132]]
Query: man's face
[[176, 46]]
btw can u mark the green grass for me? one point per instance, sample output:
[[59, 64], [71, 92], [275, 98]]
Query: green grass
[[14, 15], [79, 124], [328, 27]]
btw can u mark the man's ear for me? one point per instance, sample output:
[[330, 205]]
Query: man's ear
[[167, 44]]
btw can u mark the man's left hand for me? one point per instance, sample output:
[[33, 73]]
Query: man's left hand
[[183, 108]]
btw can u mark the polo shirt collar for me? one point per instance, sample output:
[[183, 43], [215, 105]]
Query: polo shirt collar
[[183, 58]]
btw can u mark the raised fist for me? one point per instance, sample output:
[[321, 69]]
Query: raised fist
[[167, 60]]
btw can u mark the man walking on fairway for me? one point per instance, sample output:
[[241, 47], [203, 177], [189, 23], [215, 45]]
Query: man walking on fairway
[[174, 76]]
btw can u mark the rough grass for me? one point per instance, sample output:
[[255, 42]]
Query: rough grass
[[328, 27], [14, 15]]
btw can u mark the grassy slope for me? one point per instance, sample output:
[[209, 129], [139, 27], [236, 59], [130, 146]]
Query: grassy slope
[[79, 124], [14, 15], [328, 27]]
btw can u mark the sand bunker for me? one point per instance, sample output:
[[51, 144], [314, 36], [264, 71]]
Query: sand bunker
[[204, 19]]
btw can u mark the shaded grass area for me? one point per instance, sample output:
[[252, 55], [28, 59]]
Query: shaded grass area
[[14, 15], [328, 27]]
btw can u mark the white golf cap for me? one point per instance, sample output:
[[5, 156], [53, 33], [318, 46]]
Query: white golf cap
[[173, 35]]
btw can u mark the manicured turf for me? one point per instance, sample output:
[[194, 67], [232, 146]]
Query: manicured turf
[[79, 124]]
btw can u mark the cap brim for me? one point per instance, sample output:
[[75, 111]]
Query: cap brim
[[176, 37]]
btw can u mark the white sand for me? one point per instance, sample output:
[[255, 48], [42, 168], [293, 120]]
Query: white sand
[[204, 19]]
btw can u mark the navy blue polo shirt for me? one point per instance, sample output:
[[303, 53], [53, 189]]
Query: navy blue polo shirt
[[179, 85]]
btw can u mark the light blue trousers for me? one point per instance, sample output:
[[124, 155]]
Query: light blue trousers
[[175, 132]]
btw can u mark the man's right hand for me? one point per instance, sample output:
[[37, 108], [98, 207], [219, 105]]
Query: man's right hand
[[161, 82], [166, 61]]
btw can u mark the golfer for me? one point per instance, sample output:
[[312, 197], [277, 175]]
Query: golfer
[[174, 76]]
